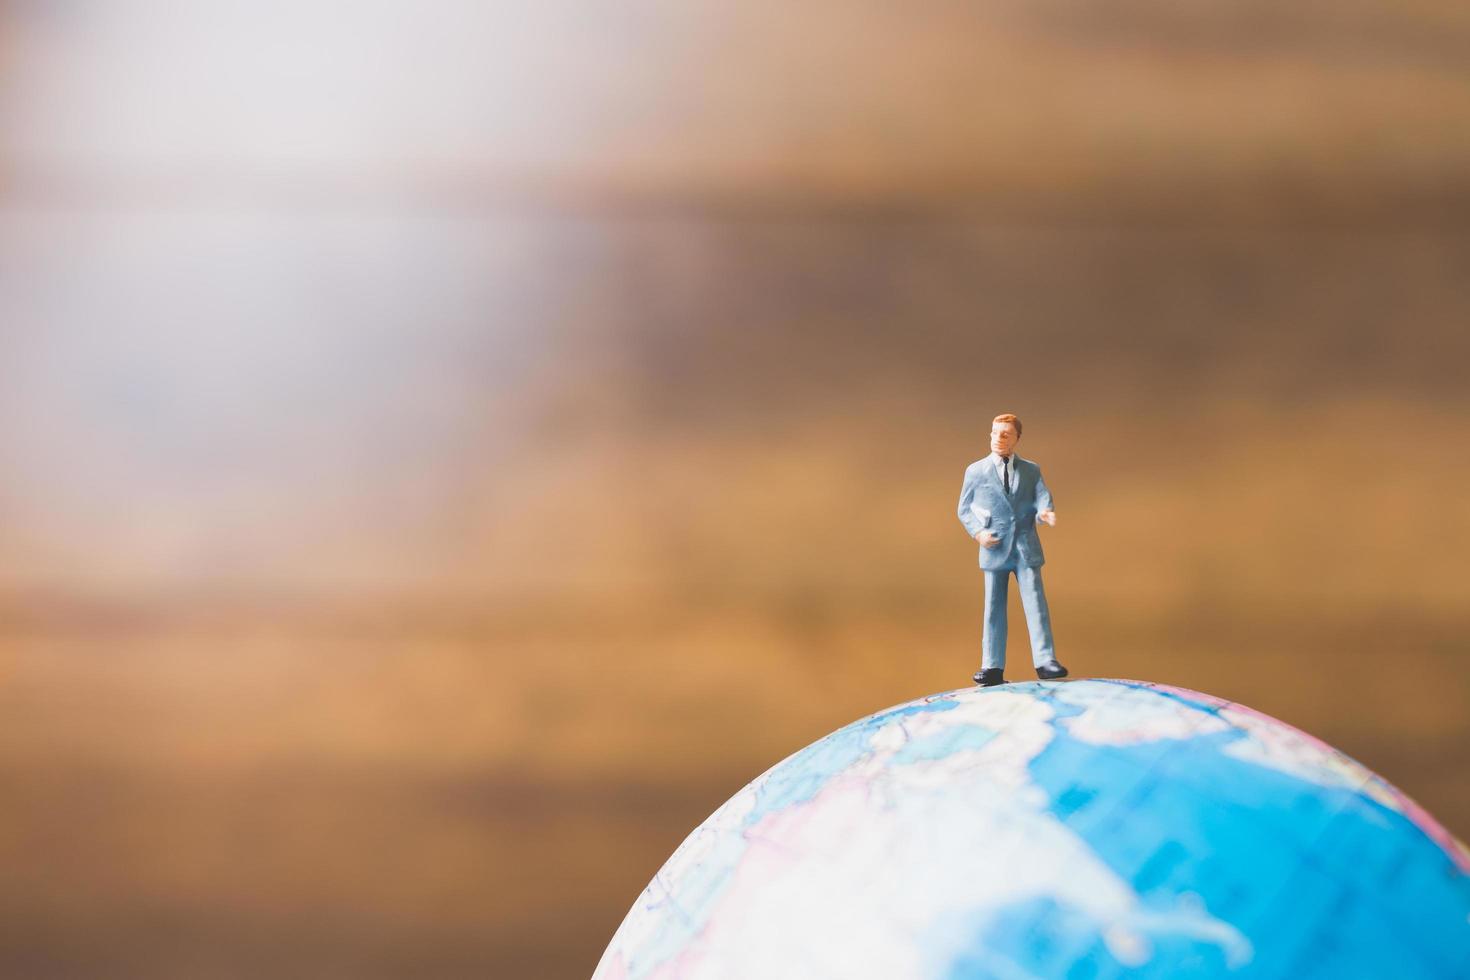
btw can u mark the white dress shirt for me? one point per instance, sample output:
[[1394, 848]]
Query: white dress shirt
[[1000, 470]]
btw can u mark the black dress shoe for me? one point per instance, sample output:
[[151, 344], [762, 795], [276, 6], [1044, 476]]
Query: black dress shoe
[[1051, 670], [991, 676]]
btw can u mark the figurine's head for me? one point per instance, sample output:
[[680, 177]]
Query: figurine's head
[[1005, 432]]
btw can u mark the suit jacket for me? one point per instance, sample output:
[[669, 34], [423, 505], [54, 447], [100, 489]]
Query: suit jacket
[[985, 505]]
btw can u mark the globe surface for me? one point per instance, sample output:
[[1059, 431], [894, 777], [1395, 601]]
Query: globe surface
[[1079, 829]]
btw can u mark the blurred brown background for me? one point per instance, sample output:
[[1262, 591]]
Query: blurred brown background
[[446, 449]]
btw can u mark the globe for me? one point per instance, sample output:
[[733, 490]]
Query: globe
[[1083, 829]]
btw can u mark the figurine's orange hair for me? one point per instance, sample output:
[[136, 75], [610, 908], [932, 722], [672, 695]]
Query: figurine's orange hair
[[1008, 417]]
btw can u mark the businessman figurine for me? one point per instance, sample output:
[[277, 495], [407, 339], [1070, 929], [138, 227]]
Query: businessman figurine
[[1002, 499]]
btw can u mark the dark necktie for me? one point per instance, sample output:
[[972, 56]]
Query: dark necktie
[[1006, 463]]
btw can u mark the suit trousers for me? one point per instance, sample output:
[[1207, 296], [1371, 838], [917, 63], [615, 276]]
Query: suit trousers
[[1038, 617]]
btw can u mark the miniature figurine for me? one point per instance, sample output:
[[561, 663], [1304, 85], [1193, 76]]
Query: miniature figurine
[[1002, 499]]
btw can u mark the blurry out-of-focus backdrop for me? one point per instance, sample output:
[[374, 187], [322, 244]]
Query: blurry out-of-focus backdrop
[[448, 448]]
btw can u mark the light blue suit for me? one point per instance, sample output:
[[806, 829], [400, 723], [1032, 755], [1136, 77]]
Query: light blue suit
[[986, 505]]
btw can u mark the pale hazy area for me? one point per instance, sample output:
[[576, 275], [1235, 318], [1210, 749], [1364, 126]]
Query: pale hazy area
[[447, 449]]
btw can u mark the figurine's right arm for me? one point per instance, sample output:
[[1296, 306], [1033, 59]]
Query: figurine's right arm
[[967, 497]]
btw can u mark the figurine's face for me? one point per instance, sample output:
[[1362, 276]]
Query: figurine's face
[[1003, 438]]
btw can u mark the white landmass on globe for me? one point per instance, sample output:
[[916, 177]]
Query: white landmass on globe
[[1125, 719], [1280, 747]]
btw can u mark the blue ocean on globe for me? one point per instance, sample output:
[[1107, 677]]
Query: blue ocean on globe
[[1080, 830]]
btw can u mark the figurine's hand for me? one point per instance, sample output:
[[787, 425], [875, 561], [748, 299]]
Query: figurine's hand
[[988, 539], [1048, 517]]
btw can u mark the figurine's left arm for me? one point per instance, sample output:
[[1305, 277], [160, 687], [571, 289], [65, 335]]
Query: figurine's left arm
[[1044, 512]]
